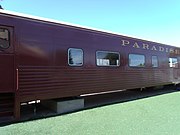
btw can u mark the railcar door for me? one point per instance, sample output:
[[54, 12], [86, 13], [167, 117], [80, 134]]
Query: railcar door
[[7, 72]]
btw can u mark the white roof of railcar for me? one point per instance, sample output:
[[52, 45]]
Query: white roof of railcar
[[22, 15]]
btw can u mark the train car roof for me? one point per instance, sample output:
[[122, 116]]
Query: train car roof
[[53, 21]]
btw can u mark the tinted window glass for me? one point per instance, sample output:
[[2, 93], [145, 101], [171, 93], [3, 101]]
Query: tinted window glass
[[136, 60], [4, 38], [104, 58], [173, 62], [154, 61], [75, 57]]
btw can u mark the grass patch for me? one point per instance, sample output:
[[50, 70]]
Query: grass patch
[[158, 115]]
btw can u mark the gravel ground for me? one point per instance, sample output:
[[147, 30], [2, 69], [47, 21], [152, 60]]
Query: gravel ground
[[143, 113]]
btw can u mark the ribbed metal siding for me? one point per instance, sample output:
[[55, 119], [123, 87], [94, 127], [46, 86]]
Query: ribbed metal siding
[[54, 82]]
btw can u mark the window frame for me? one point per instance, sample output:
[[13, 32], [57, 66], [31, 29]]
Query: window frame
[[75, 65], [108, 65], [137, 66], [152, 61]]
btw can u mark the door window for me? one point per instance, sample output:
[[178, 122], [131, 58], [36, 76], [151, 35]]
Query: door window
[[4, 38]]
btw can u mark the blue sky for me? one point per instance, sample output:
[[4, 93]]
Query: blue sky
[[155, 20]]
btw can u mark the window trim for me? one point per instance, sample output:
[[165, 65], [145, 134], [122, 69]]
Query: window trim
[[108, 65], [137, 66], [72, 65], [157, 61]]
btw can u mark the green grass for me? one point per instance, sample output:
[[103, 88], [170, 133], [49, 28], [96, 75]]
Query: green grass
[[158, 115]]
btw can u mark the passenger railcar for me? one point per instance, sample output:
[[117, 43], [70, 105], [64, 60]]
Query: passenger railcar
[[46, 59]]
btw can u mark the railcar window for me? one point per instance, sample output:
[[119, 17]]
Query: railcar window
[[173, 62], [75, 57], [4, 38], [105, 58], [154, 61], [136, 60]]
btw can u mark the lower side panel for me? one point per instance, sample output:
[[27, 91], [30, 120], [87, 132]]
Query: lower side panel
[[56, 82]]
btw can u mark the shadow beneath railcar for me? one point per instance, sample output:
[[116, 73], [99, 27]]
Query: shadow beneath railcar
[[38, 111], [125, 96]]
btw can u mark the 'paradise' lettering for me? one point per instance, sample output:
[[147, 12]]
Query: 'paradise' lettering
[[146, 46]]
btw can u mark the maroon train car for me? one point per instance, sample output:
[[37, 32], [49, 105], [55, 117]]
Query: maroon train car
[[45, 59]]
